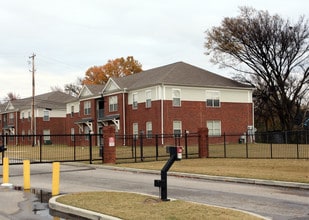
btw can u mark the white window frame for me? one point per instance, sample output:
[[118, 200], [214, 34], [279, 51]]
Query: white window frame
[[72, 134], [11, 117], [72, 111], [113, 103], [176, 95], [177, 128], [46, 116], [46, 135], [149, 129], [135, 130], [148, 99], [213, 99], [134, 101], [87, 107], [214, 128]]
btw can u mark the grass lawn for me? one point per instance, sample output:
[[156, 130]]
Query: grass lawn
[[291, 170], [140, 207]]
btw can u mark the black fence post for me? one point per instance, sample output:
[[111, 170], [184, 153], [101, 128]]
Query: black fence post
[[157, 146], [224, 145], [186, 144], [247, 138], [271, 150], [142, 145], [297, 143], [41, 148], [90, 147], [74, 146], [135, 153]]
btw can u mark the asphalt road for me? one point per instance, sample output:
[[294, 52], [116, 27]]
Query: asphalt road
[[269, 201]]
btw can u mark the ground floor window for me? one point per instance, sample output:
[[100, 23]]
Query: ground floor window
[[214, 127], [177, 128], [149, 129]]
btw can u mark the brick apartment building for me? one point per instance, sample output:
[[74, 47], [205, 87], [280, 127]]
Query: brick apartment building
[[49, 117], [166, 100]]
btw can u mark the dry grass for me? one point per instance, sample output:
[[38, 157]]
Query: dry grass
[[136, 206], [269, 169]]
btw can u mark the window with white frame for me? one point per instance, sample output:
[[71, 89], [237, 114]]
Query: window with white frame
[[46, 115], [149, 129], [29, 116], [87, 107], [46, 135], [212, 98], [86, 132], [72, 134], [176, 97], [214, 127], [22, 115], [11, 117], [135, 102], [135, 130], [72, 111], [177, 128], [148, 99], [113, 103]]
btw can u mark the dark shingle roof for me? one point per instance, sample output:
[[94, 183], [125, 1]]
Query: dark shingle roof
[[95, 89], [179, 73], [52, 100]]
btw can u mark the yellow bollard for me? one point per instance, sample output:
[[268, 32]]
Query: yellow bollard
[[26, 174], [5, 174], [55, 178]]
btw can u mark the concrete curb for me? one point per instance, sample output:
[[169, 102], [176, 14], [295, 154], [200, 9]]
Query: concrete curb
[[71, 210]]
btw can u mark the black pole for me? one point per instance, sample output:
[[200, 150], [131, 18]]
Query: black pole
[[90, 147]]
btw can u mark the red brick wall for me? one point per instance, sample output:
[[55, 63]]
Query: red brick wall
[[234, 117]]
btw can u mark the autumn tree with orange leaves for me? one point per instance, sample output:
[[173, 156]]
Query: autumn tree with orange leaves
[[119, 67]]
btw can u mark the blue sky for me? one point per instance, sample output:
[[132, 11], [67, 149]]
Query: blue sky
[[69, 36]]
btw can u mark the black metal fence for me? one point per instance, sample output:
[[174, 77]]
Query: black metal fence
[[272, 145], [145, 147]]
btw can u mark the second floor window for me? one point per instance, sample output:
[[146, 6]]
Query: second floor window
[[135, 103], [148, 99], [46, 115], [212, 98], [87, 107], [176, 97], [113, 103], [72, 110], [11, 118]]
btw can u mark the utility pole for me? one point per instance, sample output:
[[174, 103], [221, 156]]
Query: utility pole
[[33, 94]]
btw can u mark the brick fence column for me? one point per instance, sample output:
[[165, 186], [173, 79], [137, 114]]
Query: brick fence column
[[109, 149], [203, 142]]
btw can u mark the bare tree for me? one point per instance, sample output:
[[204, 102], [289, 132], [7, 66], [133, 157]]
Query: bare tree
[[11, 96], [271, 53]]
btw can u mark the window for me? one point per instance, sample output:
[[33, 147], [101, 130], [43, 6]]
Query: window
[[46, 136], [22, 115], [72, 134], [87, 107], [113, 103], [135, 103], [135, 130], [148, 99], [214, 128], [149, 129], [177, 128], [86, 132], [11, 118], [29, 116], [212, 99], [176, 97], [72, 111], [46, 115], [29, 135]]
